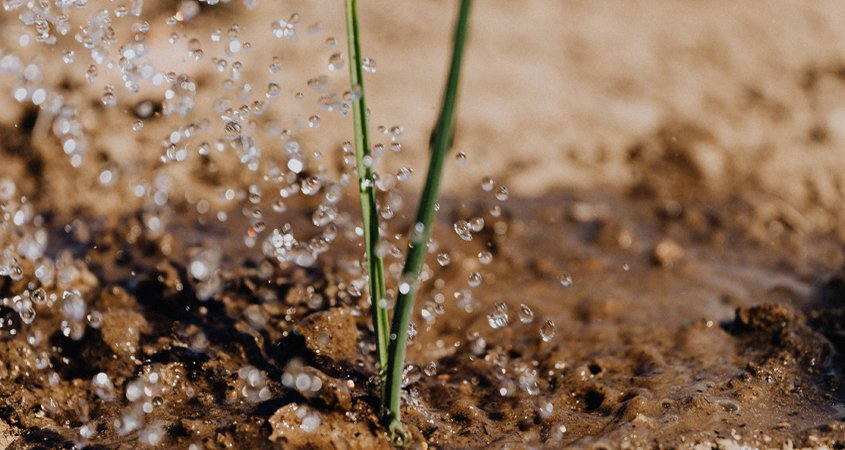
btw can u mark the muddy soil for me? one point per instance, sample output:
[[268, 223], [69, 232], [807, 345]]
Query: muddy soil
[[666, 272], [672, 327]]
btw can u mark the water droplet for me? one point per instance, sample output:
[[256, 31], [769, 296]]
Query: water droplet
[[474, 279], [273, 90], [528, 380], [319, 84], [311, 185], [557, 432], [547, 331], [404, 173], [430, 369], [476, 224], [369, 65], [73, 306], [95, 319], [502, 193], [566, 280], [324, 215], [314, 121], [39, 96], [234, 47], [188, 10], [443, 259], [109, 98], [487, 184], [386, 182], [103, 387], [545, 409], [295, 165], [27, 312], [499, 318], [485, 257], [461, 157], [276, 65], [496, 211], [463, 230], [216, 35], [195, 49], [336, 62], [411, 374], [526, 315], [39, 296]]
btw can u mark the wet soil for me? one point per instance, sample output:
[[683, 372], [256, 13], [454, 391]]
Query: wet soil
[[727, 337]]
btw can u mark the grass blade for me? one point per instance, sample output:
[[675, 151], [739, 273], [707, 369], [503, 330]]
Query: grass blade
[[369, 214], [441, 141]]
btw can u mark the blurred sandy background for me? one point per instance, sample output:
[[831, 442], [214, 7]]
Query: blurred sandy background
[[555, 94]]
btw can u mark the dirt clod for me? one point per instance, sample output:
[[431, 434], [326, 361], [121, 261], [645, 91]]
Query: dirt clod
[[332, 334], [292, 428]]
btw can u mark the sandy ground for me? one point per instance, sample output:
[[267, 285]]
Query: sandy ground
[[753, 88]]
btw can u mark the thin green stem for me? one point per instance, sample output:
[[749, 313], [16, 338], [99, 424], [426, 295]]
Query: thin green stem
[[366, 185], [441, 141]]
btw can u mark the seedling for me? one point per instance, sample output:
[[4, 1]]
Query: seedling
[[441, 141], [366, 187]]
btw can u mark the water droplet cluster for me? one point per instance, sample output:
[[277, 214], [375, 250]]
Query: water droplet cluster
[[304, 379], [207, 104], [252, 385]]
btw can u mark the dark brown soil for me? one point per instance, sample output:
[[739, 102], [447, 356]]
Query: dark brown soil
[[737, 340]]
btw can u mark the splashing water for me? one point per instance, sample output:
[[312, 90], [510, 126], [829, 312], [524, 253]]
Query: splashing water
[[198, 105]]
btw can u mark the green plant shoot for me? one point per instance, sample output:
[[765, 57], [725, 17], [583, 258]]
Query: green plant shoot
[[441, 141], [369, 214]]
